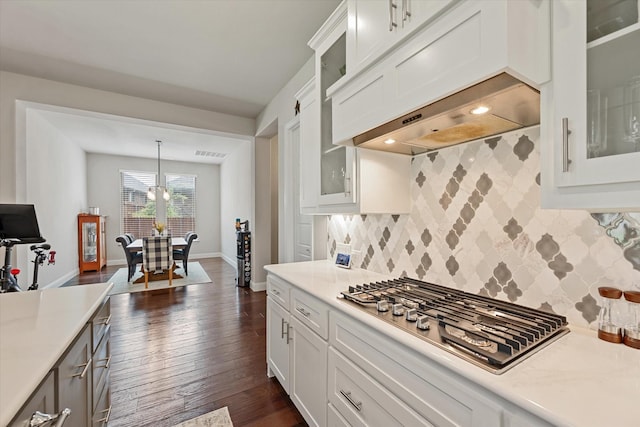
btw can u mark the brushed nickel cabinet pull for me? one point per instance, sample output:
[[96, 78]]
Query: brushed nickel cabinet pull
[[288, 333], [304, 312], [106, 320], [105, 420], [392, 23], [406, 12], [282, 322], [347, 395], [85, 368], [107, 363], [565, 144]]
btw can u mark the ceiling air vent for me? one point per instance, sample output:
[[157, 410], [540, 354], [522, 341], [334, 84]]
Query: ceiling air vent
[[210, 154]]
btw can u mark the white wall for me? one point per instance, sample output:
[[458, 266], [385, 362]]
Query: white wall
[[281, 111], [262, 236], [56, 185], [236, 196], [103, 188], [16, 87]]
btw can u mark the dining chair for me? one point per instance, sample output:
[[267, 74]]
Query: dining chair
[[183, 254], [133, 258], [157, 255]]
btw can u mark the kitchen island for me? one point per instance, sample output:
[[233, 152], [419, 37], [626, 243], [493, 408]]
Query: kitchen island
[[36, 330], [577, 380]]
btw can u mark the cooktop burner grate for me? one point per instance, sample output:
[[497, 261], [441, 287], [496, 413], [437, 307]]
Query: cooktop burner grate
[[490, 333]]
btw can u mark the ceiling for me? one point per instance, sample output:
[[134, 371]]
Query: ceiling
[[121, 136], [229, 56]]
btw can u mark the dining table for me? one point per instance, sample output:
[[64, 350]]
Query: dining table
[[176, 243]]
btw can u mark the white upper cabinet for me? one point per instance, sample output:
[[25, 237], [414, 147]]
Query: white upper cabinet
[[375, 26], [336, 163], [344, 181], [591, 109], [464, 44]]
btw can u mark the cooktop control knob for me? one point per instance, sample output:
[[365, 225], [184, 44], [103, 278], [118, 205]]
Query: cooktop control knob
[[423, 323], [398, 309], [382, 305], [411, 315]]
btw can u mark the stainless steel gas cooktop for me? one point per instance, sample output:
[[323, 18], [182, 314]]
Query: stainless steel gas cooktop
[[492, 334]]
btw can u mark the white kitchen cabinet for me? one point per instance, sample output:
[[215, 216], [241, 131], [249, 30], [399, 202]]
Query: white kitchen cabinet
[[308, 374], [376, 26], [335, 419], [278, 337], [336, 163], [469, 43], [337, 179], [590, 127], [296, 353], [385, 372], [364, 402]]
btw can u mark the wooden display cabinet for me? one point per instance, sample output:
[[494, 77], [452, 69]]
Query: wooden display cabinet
[[92, 250]]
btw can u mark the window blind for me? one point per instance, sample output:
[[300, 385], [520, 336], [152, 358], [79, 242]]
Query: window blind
[[181, 208], [137, 212]]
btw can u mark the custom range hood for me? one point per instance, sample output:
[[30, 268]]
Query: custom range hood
[[459, 118]]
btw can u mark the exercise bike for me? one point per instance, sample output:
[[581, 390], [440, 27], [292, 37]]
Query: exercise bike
[[8, 275]]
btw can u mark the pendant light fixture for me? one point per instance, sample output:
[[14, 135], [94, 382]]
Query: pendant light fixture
[[153, 191]]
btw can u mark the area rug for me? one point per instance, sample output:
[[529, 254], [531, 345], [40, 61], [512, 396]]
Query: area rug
[[218, 418], [121, 286]]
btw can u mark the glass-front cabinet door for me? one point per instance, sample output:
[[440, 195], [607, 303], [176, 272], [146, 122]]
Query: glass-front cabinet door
[[336, 162], [596, 94], [92, 250], [89, 242]]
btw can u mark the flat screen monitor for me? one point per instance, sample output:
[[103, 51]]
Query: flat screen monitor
[[19, 222]]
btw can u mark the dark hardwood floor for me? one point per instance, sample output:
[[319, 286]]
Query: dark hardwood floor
[[183, 352]]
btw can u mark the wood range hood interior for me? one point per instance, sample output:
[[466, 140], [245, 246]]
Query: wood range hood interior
[[449, 121]]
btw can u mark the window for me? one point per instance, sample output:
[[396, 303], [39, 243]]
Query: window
[[181, 208], [137, 213]]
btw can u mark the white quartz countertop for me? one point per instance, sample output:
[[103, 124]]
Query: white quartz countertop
[[577, 380], [36, 327]]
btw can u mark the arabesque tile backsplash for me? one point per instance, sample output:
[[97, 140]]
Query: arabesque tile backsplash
[[476, 224]]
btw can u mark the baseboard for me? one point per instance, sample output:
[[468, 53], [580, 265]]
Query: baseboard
[[233, 262], [205, 255], [62, 280], [258, 286]]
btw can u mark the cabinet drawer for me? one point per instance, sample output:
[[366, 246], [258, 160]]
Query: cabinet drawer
[[436, 394], [362, 401], [278, 290], [101, 366], [100, 322], [310, 311], [334, 419], [102, 413]]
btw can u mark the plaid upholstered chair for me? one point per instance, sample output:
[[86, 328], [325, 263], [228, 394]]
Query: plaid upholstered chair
[[157, 255]]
